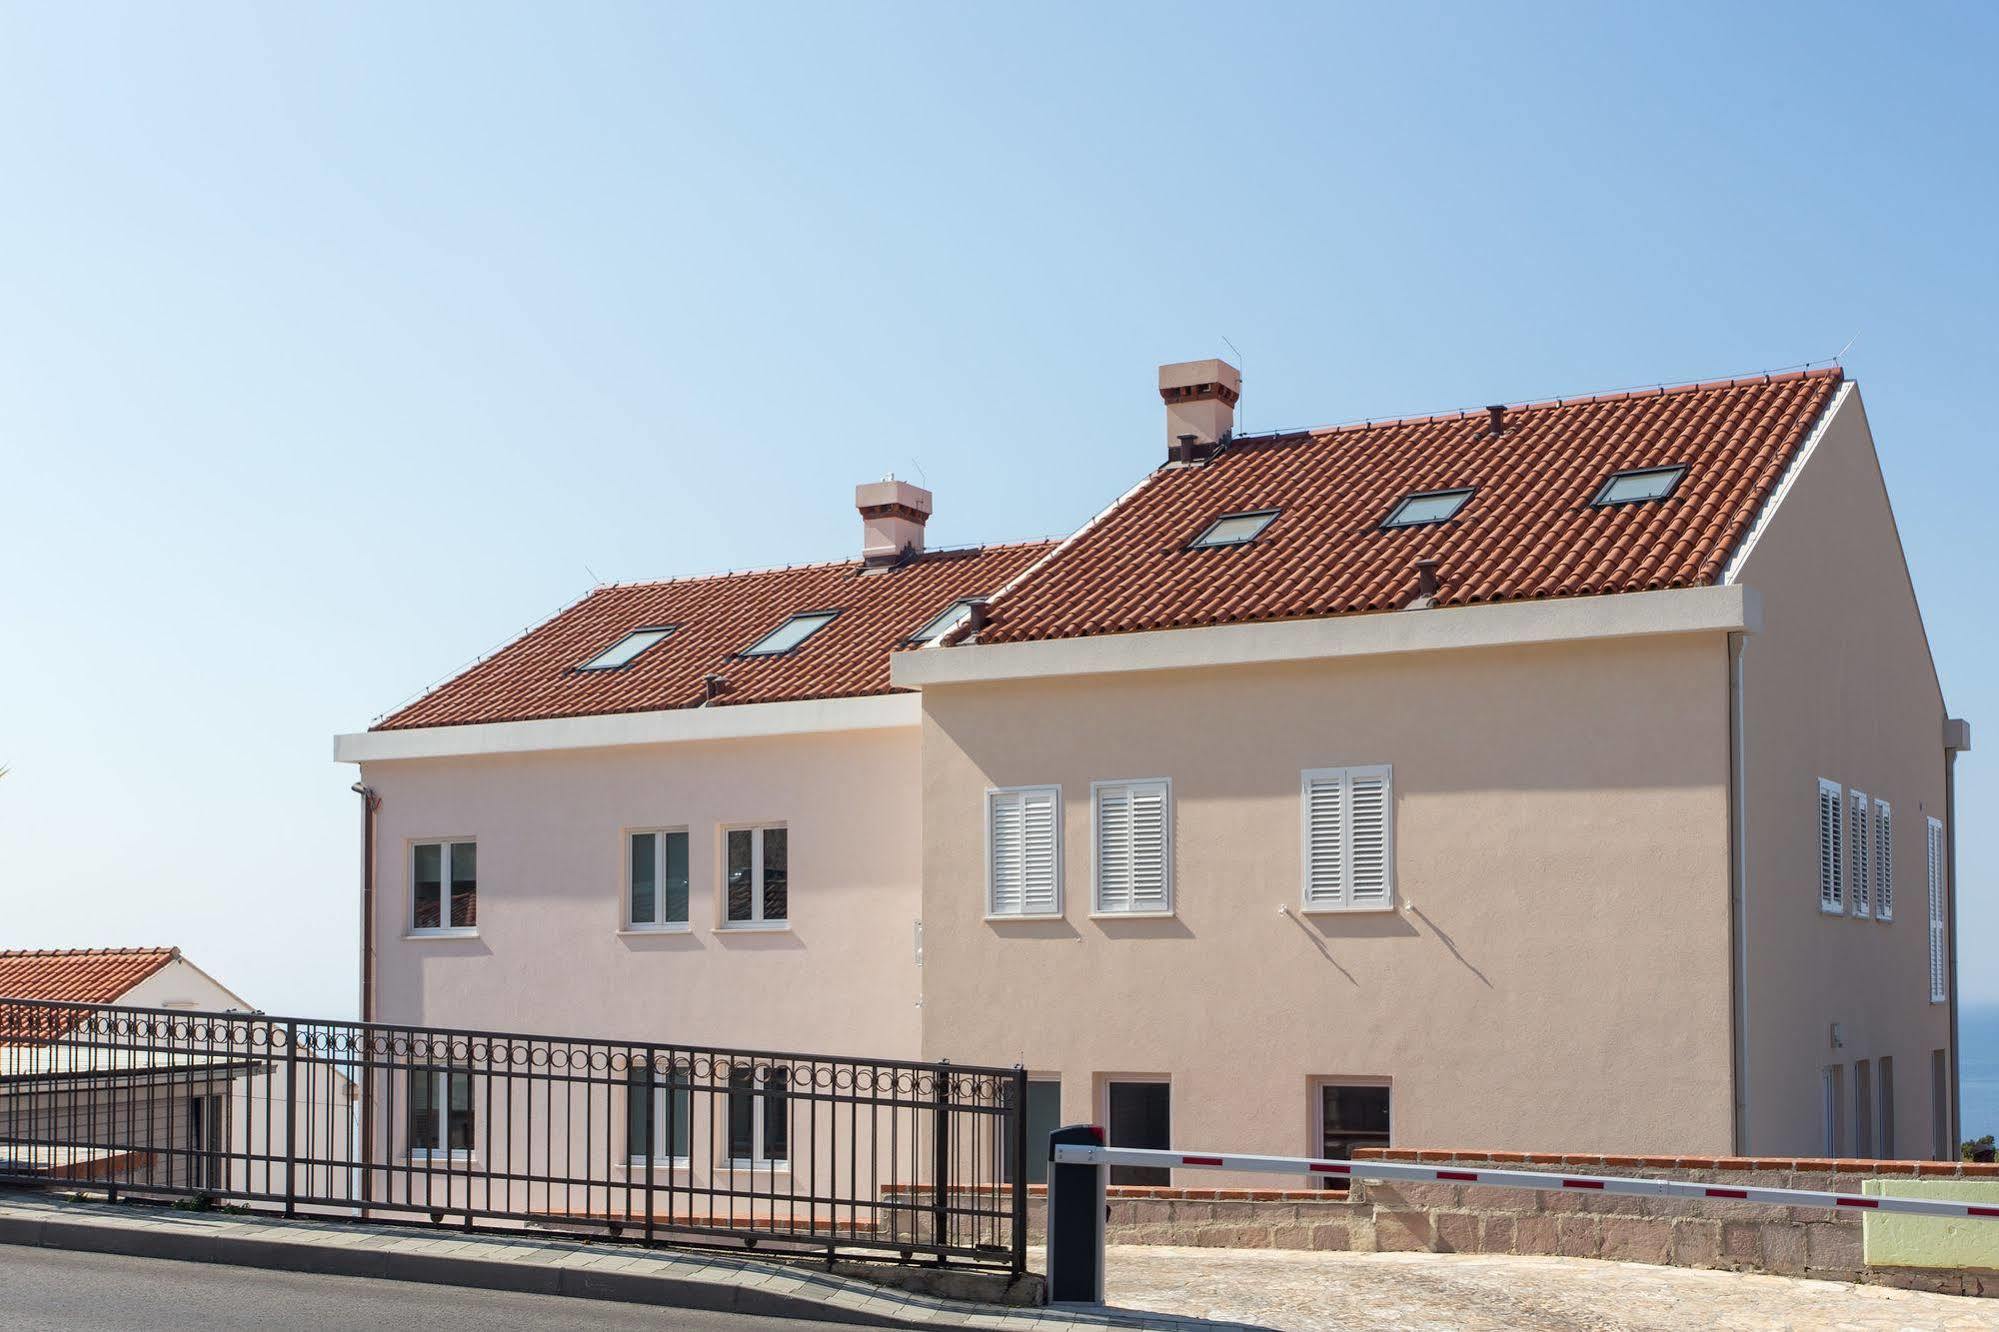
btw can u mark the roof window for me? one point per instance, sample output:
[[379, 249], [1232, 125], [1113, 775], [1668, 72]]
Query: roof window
[[953, 615], [1234, 529], [1649, 483], [1429, 506], [626, 650], [791, 634]]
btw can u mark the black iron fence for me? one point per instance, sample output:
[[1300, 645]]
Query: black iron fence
[[628, 1140]]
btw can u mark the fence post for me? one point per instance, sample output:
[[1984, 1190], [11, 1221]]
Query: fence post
[[1017, 1142], [940, 1156], [1076, 1215], [291, 1119]]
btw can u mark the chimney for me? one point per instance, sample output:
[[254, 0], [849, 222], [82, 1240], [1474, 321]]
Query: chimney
[[892, 517], [1200, 401], [1495, 420]]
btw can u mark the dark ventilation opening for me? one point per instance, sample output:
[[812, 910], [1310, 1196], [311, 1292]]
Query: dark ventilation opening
[[1141, 1115]]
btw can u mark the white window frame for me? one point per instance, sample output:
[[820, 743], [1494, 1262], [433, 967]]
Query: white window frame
[[1097, 904], [1345, 904], [1939, 942], [1884, 861], [440, 1094], [759, 1103], [656, 1126], [1054, 793], [757, 920], [443, 930], [1860, 851], [656, 926], [1831, 848]]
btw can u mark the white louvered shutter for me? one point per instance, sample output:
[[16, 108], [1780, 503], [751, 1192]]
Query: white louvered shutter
[[1831, 849], [1858, 839], [1007, 871], [1939, 986], [1348, 847], [1024, 860], [1884, 861], [1134, 850]]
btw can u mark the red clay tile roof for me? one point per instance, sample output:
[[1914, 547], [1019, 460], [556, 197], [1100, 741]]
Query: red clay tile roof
[[78, 975], [1530, 531], [536, 677]]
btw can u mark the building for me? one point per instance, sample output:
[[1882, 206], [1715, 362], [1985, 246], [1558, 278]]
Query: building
[[1572, 773]]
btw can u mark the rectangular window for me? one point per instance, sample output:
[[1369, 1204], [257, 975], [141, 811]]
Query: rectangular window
[[757, 871], [440, 1112], [1348, 848], [626, 650], [1351, 1116], [1939, 946], [1832, 1138], [1885, 1118], [791, 635], [1884, 861], [1024, 851], [759, 1116], [1863, 1109], [444, 877], [1134, 834], [1941, 1147], [657, 895], [1859, 841], [1140, 1114], [659, 1110], [1832, 847], [1044, 1116]]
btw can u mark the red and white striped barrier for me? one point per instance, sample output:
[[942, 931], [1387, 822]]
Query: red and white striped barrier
[[1075, 1154]]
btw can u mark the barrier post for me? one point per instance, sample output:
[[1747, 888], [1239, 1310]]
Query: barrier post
[[1076, 1215]]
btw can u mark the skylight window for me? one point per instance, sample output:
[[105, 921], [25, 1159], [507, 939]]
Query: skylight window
[[1235, 529], [1651, 483], [626, 650], [1434, 506], [954, 615], [791, 634]]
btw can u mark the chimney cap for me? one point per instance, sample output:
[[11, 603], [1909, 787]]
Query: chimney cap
[[889, 492], [1188, 374]]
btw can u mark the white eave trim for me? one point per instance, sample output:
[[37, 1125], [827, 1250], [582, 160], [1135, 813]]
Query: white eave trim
[[742, 721], [1735, 609]]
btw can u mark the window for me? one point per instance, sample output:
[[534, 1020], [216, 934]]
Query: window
[[1859, 839], [656, 897], [1044, 1116], [758, 876], [659, 1111], [1832, 1085], [1939, 956], [1650, 483], [1140, 1114], [1863, 1108], [1941, 1147], [1351, 1116], [1832, 848], [1348, 851], [433, 866], [206, 1132], [1884, 861], [1134, 822], [1024, 851], [759, 1116], [626, 650], [950, 618], [791, 634], [1434, 506], [440, 1112], [1234, 529], [1886, 1118]]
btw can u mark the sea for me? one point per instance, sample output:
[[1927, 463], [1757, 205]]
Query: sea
[[1978, 1069]]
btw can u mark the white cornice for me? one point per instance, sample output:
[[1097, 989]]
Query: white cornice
[[743, 721], [1623, 615]]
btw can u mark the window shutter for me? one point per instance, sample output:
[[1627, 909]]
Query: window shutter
[[1831, 848], [1006, 871], [1884, 861], [1325, 840], [1370, 833], [1939, 961], [1348, 847], [1859, 881], [1041, 840], [1133, 853]]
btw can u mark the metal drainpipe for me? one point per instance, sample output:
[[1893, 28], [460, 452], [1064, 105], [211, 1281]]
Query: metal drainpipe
[[1738, 895], [1950, 925], [370, 803]]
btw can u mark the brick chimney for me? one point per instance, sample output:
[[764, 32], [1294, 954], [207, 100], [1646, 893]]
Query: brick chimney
[[892, 517], [1200, 401]]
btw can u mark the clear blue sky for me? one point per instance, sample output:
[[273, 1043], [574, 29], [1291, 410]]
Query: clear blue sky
[[337, 345]]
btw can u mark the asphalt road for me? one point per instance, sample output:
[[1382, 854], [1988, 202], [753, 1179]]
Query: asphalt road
[[45, 1289]]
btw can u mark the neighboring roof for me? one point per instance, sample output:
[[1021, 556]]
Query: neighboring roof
[[1530, 530], [78, 975], [715, 619]]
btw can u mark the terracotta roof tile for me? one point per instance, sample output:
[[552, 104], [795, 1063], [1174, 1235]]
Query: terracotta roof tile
[[536, 677], [1529, 531], [78, 975]]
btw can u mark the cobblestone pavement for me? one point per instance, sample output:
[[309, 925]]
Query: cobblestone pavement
[[1418, 1292]]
